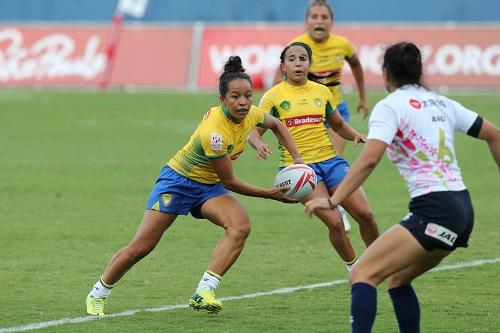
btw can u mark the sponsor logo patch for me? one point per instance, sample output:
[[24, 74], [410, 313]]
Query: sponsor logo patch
[[285, 105], [303, 120], [166, 199], [441, 233], [216, 141]]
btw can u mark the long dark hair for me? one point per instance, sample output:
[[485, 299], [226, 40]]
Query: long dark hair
[[403, 63], [233, 69]]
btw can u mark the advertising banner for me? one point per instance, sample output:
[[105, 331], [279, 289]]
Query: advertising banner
[[162, 57], [465, 56], [75, 55]]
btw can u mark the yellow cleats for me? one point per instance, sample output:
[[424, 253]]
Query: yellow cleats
[[95, 306], [205, 300]]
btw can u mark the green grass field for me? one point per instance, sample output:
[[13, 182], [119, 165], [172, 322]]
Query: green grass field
[[76, 169]]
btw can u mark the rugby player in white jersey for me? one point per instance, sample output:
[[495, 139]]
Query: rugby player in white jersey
[[416, 127]]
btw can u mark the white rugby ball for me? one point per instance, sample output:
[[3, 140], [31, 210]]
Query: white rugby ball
[[300, 178]]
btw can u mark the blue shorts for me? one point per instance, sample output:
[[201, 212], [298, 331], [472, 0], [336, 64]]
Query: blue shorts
[[176, 194], [331, 171], [344, 112]]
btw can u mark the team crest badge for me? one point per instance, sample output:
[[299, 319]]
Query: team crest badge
[[285, 105], [167, 199], [318, 102], [230, 149]]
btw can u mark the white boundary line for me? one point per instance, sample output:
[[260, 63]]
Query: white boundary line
[[58, 322]]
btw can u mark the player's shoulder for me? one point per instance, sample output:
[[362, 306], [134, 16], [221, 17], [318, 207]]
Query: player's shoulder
[[318, 87], [304, 38], [273, 92], [339, 39], [211, 119]]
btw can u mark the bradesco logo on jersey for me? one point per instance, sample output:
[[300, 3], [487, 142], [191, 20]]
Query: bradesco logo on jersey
[[303, 120]]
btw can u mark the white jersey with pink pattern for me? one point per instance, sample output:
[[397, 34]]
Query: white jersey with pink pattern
[[419, 127]]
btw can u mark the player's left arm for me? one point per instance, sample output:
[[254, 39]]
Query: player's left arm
[[491, 134], [283, 135], [357, 175], [357, 72]]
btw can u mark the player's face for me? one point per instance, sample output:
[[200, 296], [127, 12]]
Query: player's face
[[238, 99], [319, 23], [296, 65]]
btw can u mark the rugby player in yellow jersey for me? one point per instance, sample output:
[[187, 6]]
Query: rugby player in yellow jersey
[[329, 53], [303, 105], [197, 180]]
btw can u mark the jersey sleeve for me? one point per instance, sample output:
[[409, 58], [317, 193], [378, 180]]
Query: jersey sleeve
[[266, 104], [213, 142], [383, 123], [464, 118], [348, 48], [258, 115]]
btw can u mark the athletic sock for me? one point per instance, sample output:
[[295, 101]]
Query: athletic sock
[[363, 307], [101, 289], [209, 281], [406, 307], [350, 265]]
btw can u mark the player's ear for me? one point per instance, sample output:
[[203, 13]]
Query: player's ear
[[221, 99]]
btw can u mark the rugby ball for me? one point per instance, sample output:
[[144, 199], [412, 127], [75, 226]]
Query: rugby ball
[[300, 178]]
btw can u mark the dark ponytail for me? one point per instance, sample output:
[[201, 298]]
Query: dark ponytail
[[233, 69], [403, 62]]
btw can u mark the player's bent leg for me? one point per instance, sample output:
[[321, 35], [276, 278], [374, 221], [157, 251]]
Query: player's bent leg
[[152, 227], [227, 212], [333, 221], [395, 250], [404, 299], [359, 208], [392, 252], [426, 262]]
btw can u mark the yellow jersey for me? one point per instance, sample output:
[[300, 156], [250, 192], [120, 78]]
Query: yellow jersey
[[328, 61], [216, 136], [302, 109]]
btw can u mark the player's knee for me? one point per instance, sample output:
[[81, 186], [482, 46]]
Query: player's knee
[[397, 280], [240, 230], [335, 226], [364, 274], [366, 217]]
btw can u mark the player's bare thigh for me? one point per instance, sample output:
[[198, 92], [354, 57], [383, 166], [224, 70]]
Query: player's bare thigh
[[225, 211], [393, 251]]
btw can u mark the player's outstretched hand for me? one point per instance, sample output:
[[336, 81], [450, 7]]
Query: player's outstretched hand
[[264, 151], [359, 138], [278, 194], [363, 108]]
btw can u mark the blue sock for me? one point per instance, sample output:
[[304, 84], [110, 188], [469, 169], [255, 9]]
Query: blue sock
[[407, 309], [363, 307]]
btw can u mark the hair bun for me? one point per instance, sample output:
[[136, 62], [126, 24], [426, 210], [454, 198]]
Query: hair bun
[[233, 65]]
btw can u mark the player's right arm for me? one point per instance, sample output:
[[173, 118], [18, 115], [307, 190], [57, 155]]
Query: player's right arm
[[224, 170]]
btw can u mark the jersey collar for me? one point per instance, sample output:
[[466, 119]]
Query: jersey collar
[[227, 114]]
